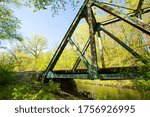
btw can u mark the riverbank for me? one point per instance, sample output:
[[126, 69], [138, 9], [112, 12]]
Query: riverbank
[[26, 87], [109, 83]]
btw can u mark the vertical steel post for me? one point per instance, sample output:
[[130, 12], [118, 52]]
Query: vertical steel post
[[101, 49], [93, 70]]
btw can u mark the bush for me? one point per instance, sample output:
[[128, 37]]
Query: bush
[[43, 95], [143, 84], [6, 73], [54, 87], [24, 92], [6, 92]]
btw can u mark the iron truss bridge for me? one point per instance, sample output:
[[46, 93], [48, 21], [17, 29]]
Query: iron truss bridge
[[93, 71]]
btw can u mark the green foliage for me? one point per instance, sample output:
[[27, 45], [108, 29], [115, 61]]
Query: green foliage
[[22, 92], [132, 4], [33, 90], [29, 55], [54, 5], [25, 87], [145, 71], [143, 84], [30, 51], [6, 69], [43, 95], [25, 92], [54, 87], [9, 24], [6, 92], [143, 87], [35, 45]]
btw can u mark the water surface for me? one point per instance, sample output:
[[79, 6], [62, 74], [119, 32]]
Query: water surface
[[109, 93]]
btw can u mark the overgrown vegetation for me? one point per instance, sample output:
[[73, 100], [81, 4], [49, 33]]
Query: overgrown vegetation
[[143, 85], [6, 70], [27, 88]]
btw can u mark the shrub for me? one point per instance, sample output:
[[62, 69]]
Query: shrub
[[143, 84], [24, 92], [6, 92], [54, 87], [43, 95], [6, 73]]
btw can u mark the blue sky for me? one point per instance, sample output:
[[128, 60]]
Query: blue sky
[[42, 22]]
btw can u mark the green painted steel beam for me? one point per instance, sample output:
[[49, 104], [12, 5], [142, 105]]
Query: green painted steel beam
[[101, 49], [139, 9], [135, 54], [115, 76], [93, 70], [88, 42], [113, 20], [119, 76], [65, 41], [83, 52], [132, 21], [118, 6], [52, 75], [77, 50]]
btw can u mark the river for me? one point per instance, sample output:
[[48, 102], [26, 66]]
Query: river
[[110, 93]]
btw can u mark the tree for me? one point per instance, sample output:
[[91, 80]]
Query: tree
[[9, 24], [29, 51], [55, 5], [35, 45]]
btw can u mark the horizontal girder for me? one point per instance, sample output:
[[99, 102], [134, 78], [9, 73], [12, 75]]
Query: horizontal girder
[[115, 73]]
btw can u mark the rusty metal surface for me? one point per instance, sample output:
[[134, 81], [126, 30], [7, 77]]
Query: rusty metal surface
[[93, 64], [113, 20], [132, 21]]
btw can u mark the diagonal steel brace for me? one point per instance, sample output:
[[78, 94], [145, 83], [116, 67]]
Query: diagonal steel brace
[[65, 41], [135, 54], [83, 52], [132, 21], [77, 50]]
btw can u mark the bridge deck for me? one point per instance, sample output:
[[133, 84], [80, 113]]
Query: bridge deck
[[100, 70], [116, 73]]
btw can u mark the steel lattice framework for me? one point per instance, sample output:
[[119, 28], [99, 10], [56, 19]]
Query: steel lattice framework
[[93, 71]]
